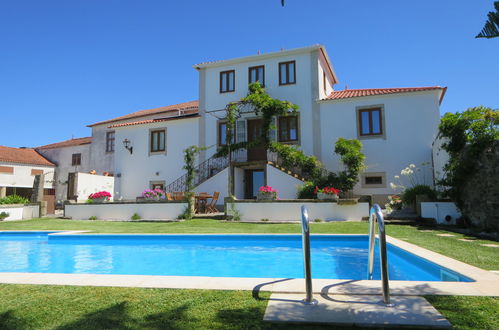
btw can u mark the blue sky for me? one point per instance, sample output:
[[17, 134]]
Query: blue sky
[[66, 64]]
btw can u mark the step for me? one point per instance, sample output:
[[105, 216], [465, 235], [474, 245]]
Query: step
[[354, 310]]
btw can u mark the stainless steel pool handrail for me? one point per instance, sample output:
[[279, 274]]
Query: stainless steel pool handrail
[[376, 216], [305, 233]]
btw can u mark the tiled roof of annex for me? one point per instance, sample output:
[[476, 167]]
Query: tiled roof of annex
[[23, 156], [157, 120], [349, 93], [191, 107], [68, 143]]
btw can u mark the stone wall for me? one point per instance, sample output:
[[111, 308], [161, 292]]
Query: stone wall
[[481, 193]]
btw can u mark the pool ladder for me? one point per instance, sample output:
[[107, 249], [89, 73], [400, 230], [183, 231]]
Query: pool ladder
[[376, 216]]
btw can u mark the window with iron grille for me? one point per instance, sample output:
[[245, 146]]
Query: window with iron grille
[[76, 159], [110, 142]]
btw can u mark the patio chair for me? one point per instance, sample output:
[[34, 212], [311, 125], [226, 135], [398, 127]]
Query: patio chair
[[210, 208], [169, 196], [178, 196]]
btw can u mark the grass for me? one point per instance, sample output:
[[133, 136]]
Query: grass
[[67, 307], [469, 252]]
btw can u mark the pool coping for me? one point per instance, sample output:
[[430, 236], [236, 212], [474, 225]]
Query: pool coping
[[486, 283]]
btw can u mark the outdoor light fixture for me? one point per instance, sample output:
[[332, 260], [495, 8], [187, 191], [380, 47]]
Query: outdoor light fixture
[[126, 144]]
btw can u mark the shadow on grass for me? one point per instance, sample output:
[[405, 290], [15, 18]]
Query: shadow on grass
[[9, 321]]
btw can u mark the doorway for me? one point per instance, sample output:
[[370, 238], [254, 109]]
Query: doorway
[[254, 133], [254, 179]]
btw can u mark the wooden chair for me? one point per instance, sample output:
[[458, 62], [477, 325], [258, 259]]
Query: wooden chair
[[211, 207], [178, 196], [169, 196]]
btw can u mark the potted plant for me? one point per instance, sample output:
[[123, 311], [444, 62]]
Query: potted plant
[[327, 193], [266, 193], [153, 194], [99, 197]]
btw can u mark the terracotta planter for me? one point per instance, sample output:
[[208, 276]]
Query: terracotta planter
[[327, 197], [266, 197]]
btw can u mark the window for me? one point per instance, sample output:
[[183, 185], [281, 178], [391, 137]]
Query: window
[[287, 73], [324, 82], [222, 134], [227, 81], [288, 129], [110, 142], [36, 172], [373, 180], [257, 73], [76, 159], [157, 185], [6, 170], [158, 140], [370, 122]]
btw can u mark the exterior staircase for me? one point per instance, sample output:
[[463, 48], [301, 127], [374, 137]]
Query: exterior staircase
[[274, 160]]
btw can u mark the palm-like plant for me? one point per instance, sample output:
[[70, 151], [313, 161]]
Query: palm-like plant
[[491, 28]]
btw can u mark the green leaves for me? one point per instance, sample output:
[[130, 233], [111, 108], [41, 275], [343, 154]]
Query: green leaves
[[491, 28]]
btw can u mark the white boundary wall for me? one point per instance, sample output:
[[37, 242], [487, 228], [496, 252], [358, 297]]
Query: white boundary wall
[[20, 212], [291, 211], [439, 210], [91, 183], [124, 211]]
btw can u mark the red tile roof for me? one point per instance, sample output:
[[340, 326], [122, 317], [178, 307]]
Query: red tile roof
[[68, 143], [349, 93], [149, 121], [23, 156], [189, 107]]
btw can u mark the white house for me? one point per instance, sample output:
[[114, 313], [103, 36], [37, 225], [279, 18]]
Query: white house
[[396, 126], [144, 149], [18, 167]]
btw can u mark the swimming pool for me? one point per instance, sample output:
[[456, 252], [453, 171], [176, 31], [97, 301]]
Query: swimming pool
[[260, 256]]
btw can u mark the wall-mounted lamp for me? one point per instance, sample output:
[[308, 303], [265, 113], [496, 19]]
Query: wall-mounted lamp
[[126, 144]]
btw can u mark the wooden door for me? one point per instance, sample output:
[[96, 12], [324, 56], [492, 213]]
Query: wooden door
[[253, 179], [254, 133]]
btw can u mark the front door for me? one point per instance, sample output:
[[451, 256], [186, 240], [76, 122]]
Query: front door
[[254, 133], [254, 179]]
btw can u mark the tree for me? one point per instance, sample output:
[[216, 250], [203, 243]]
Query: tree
[[491, 28]]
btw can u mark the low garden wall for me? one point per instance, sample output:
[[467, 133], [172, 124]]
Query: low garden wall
[[444, 213], [20, 211], [125, 210], [290, 210]]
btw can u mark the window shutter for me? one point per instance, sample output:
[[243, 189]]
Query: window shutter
[[273, 129], [241, 130]]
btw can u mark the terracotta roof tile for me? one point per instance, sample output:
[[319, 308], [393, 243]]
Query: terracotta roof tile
[[23, 156], [149, 121], [68, 143], [191, 106], [349, 93]]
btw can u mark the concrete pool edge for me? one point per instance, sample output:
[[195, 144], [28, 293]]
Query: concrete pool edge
[[486, 283]]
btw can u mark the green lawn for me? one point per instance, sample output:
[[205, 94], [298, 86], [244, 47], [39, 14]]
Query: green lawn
[[67, 307]]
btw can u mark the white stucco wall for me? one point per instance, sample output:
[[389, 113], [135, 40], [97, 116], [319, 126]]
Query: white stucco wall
[[22, 178], [20, 212], [440, 210], [440, 158], [62, 157], [87, 184], [411, 122], [119, 211], [303, 93], [137, 170], [291, 211], [286, 185]]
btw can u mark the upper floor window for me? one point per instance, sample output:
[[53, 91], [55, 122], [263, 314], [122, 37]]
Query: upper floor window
[[227, 81], [158, 142], [287, 73], [370, 122], [110, 142], [324, 82], [257, 73], [76, 159], [288, 129]]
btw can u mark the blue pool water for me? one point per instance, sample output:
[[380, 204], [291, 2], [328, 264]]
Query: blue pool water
[[333, 257]]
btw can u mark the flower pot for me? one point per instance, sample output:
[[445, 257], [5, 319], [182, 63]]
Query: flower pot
[[327, 197], [265, 196], [100, 200]]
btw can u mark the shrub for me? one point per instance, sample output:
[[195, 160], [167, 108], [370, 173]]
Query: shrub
[[93, 217], [306, 191], [318, 220], [264, 220], [14, 199], [4, 215], [136, 216], [409, 194]]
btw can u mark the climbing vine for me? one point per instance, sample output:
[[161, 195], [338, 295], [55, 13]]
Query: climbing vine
[[468, 134], [190, 154]]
